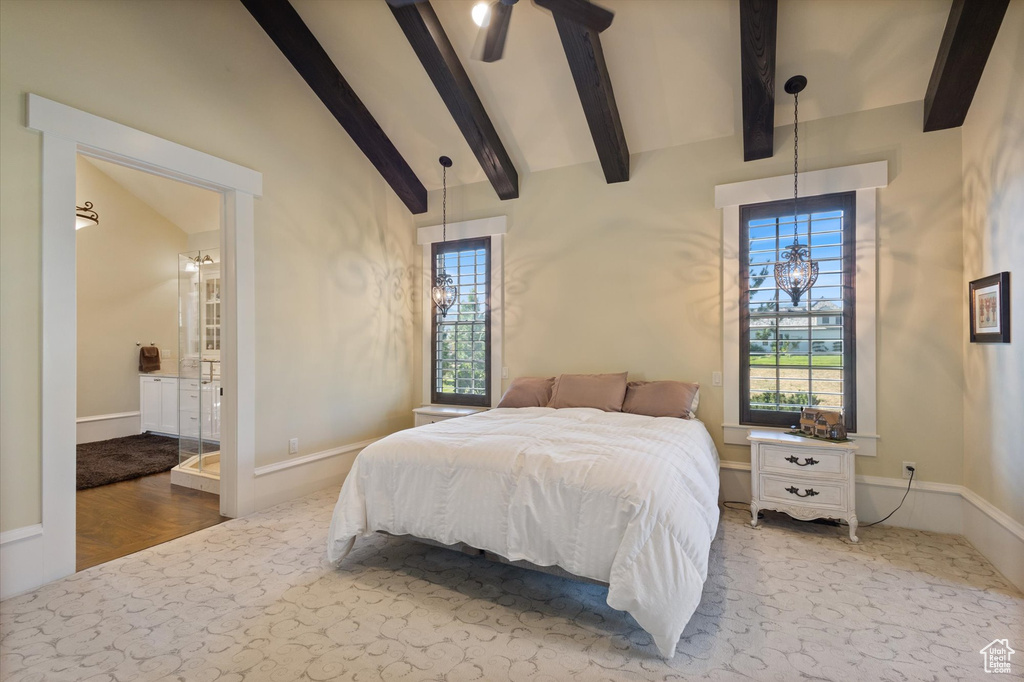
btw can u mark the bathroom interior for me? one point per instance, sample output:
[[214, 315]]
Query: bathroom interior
[[149, 344]]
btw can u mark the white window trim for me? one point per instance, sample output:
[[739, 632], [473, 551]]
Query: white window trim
[[863, 179], [468, 229]]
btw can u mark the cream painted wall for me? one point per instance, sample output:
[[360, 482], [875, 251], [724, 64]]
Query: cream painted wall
[[993, 220], [127, 290], [604, 278], [204, 241], [334, 246]]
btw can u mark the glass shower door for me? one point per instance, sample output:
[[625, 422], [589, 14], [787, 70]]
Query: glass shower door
[[199, 314]]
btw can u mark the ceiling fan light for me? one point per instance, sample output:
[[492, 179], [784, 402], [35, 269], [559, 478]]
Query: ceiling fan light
[[481, 13]]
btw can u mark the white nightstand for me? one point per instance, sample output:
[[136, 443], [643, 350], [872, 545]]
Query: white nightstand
[[428, 414], [803, 477]]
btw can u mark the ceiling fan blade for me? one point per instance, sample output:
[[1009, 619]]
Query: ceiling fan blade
[[581, 11], [402, 3], [496, 31]]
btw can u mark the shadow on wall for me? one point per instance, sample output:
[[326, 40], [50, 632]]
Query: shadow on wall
[[361, 282], [993, 238]]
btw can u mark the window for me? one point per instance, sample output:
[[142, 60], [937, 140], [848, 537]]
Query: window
[[461, 340], [804, 355]]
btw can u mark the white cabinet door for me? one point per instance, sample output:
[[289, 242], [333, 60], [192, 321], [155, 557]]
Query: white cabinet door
[[149, 403], [168, 405], [158, 403]]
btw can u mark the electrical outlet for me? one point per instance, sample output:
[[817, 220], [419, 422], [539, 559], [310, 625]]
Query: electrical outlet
[[716, 378], [504, 372], [293, 446], [907, 466], [164, 353]]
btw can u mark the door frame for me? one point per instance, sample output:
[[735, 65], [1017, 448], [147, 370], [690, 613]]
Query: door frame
[[67, 132]]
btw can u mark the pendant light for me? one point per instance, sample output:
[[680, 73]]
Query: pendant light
[[85, 216], [797, 273], [444, 292]]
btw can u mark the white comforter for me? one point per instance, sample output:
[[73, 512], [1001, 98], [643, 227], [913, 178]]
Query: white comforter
[[621, 498]]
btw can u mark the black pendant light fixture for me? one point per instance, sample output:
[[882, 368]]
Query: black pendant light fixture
[[444, 292], [85, 216], [796, 274]]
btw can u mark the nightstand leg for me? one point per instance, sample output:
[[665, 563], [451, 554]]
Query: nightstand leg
[[853, 528], [753, 515]]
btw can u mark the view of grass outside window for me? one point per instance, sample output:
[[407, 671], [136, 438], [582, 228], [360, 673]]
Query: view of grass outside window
[[461, 338], [802, 355]]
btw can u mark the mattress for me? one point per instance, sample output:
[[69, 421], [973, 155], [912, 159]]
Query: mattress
[[624, 499]]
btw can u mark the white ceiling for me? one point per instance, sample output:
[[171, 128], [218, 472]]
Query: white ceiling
[[674, 65], [191, 208]]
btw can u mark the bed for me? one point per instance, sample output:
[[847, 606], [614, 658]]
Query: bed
[[622, 499]]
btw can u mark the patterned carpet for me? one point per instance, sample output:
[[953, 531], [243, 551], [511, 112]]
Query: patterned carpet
[[253, 599]]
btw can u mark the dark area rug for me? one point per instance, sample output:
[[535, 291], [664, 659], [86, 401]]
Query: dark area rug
[[122, 459]]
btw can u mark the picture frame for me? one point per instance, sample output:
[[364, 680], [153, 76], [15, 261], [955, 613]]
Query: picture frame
[[989, 302]]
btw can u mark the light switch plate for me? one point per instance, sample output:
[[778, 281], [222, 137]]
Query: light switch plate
[[293, 446], [504, 372], [716, 378]]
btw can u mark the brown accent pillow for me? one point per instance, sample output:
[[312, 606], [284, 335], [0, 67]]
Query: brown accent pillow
[[660, 398], [602, 391], [528, 392]]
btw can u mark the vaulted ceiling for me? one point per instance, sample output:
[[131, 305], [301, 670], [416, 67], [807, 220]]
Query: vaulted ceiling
[[674, 65]]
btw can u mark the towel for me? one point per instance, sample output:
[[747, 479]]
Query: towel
[[149, 359]]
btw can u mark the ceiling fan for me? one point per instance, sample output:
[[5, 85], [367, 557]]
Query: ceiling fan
[[495, 20]]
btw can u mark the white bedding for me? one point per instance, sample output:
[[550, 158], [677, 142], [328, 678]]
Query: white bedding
[[621, 498]]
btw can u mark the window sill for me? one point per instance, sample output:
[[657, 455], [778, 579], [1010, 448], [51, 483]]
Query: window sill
[[736, 434]]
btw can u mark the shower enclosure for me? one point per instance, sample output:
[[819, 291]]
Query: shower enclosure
[[199, 313]]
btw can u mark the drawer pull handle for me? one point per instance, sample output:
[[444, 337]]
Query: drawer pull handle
[[808, 492], [808, 461]]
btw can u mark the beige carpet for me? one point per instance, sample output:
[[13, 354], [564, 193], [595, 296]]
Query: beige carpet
[[253, 600]]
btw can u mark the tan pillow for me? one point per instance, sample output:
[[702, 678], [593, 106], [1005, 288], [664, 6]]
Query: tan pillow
[[602, 391], [661, 398], [528, 392]]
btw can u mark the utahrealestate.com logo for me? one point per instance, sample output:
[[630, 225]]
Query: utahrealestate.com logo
[[997, 656]]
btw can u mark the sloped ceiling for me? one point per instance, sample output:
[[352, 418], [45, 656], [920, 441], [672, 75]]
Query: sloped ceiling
[[193, 209], [674, 66]]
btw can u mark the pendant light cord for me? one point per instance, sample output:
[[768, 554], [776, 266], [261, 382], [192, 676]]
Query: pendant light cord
[[796, 158], [444, 204]]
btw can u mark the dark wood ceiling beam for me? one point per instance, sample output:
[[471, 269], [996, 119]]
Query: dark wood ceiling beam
[[582, 12], [583, 50], [758, 26], [428, 39], [285, 27], [966, 42]]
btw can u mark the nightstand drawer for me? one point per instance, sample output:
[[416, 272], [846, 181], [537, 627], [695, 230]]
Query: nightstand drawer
[[803, 491], [803, 461]]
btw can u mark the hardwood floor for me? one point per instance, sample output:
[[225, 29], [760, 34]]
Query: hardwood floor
[[121, 518]]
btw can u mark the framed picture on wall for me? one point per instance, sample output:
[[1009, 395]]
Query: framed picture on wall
[[990, 309]]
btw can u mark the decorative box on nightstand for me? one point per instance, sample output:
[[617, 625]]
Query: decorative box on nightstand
[[803, 477], [428, 414]]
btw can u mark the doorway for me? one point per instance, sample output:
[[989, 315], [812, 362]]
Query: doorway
[[148, 311], [67, 132]]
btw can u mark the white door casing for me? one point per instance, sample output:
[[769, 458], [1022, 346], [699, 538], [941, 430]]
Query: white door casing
[[67, 132]]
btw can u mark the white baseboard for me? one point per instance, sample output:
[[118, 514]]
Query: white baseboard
[[996, 535], [21, 555], [283, 481], [935, 507], [107, 426]]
